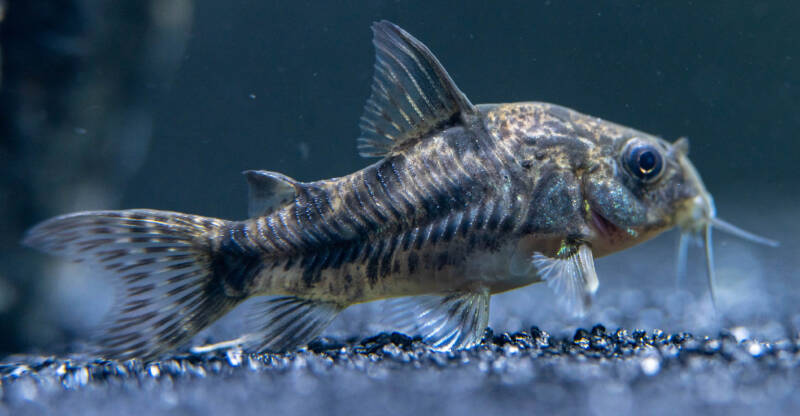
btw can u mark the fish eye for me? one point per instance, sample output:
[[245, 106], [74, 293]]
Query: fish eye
[[643, 160]]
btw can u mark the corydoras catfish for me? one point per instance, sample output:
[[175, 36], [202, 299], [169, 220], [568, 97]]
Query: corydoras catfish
[[466, 201]]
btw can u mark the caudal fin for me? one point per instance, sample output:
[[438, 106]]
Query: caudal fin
[[162, 265]]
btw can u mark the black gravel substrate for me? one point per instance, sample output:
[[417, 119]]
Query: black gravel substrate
[[596, 371]]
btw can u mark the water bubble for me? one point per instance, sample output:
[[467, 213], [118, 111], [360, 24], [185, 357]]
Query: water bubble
[[755, 348], [651, 365], [740, 333]]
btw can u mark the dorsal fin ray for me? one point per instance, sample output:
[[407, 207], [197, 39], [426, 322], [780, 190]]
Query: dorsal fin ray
[[412, 94], [268, 191]]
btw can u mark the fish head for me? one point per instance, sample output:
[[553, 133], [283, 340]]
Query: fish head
[[637, 186], [633, 185]]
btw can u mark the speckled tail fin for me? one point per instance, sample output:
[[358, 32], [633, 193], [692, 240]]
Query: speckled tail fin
[[412, 94], [453, 321], [162, 266]]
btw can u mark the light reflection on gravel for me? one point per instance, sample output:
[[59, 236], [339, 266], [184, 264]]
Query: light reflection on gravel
[[595, 370]]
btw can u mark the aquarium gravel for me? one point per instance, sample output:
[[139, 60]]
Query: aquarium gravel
[[596, 371]]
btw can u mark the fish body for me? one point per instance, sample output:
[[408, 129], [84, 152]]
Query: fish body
[[452, 211], [466, 201]]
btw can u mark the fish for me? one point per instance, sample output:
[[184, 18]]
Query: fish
[[465, 201]]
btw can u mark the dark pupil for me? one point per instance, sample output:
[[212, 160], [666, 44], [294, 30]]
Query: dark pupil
[[647, 161]]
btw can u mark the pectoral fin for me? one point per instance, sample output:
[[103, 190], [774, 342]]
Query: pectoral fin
[[571, 275], [453, 321]]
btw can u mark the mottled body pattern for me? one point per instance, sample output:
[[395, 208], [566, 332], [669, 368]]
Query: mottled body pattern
[[465, 202], [410, 223]]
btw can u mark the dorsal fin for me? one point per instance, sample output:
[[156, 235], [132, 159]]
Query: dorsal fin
[[268, 191], [412, 94]]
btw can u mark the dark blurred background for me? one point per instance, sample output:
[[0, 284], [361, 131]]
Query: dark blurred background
[[162, 103]]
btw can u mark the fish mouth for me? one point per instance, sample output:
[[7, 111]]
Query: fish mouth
[[605, 227]]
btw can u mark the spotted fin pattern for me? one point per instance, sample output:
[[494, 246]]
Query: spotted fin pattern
[[453, 321], [412, 94], [161, 264], [572, 277]]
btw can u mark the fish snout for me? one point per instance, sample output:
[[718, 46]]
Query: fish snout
[[696, 214]]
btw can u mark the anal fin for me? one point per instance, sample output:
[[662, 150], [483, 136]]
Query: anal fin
[[571, 275], [445, 322], [287, 322]]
